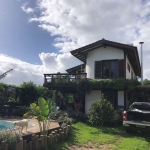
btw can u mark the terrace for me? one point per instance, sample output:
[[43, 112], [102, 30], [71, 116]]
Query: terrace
[[63, 81]]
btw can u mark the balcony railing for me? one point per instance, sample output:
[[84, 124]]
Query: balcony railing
[[63, 77]]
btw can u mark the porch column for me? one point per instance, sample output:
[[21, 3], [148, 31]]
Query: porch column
[[125, 98]]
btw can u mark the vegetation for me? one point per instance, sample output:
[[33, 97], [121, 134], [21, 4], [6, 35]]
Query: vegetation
[[26, 93], [103, 138], [65, 119], [85, 86], [41, 112], [77, 116], [11, 138], [146, 82], [101, 111], [29, 93]]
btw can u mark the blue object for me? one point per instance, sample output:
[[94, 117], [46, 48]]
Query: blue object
[[57, 107], [4, 125]]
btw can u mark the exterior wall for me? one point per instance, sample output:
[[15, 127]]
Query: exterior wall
[[94, 95], [101, 54], [121, 98], [128, 74]]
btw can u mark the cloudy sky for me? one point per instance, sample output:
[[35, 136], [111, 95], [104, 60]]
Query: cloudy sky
[[36, 36]]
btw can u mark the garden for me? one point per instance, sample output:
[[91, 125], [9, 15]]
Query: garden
[[100, 129]]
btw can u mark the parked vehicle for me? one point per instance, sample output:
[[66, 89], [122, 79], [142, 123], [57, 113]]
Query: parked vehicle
[[137, 118]]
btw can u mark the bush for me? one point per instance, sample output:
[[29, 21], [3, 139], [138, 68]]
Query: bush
[[11, 138], [76, 116], [101, 111]]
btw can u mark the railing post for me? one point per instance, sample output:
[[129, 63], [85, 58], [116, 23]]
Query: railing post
[[75, 77], [60, 77], [44, 78], [52, 79]]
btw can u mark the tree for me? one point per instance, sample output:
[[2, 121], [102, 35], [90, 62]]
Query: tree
[[44, 92], [146, 82], [28, 94], [41, 112]]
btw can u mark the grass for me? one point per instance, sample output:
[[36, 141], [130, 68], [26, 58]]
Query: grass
[[87, 135]]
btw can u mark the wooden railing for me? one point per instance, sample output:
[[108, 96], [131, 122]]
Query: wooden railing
[[63, 77]]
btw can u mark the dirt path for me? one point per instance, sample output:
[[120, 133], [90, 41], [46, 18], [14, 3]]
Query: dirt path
[[90, 147]]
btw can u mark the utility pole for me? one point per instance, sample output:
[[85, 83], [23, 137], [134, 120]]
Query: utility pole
[[141, 63]]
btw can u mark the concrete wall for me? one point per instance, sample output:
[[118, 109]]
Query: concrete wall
[[121, 98], [94, 95], [101, 54], [128, 74]]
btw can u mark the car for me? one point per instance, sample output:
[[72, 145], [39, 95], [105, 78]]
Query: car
[[137, 117]]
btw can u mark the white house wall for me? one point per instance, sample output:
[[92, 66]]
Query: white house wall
[[94, 95], [121, 98], [101, 54], [128, 74]]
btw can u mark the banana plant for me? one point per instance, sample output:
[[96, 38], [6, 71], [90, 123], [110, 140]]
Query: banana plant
[[41, 112]]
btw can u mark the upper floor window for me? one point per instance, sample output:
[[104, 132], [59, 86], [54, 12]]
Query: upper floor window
[[109, 69]]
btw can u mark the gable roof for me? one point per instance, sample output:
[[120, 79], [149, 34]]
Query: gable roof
[[130, 50], [75, 68]]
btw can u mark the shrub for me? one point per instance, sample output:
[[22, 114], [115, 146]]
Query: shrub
[[101, 111], [11, 138], [76, 116], [65, 118]]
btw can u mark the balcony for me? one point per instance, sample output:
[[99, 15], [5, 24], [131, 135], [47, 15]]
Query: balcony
[[62, 81]]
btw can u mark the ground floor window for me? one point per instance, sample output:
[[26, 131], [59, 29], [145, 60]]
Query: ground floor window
[[112, 96]]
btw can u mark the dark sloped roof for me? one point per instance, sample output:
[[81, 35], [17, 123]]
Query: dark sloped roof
[[131, 52], [75, 68]]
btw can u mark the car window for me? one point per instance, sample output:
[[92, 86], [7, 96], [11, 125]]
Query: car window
[[142, 107]]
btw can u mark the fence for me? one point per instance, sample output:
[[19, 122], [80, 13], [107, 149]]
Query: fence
[[40, 141]]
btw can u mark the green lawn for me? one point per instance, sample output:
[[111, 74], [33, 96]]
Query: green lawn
[[86, 135]]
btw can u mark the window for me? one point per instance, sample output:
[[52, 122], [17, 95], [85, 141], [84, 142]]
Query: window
[[128, 67], [109, 69], [111, 96]]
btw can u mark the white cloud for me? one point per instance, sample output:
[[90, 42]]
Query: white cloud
[[27, 9], [25, 72], [80, 23], [54, 63], [75, 24], [22, 71]]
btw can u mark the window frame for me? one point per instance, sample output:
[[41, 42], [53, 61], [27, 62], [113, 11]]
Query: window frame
[[117, 68]]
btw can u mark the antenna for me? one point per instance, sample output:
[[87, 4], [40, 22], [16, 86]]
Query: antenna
[[5, 74]]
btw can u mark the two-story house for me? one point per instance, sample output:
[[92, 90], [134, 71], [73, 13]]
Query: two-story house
[[102, 60]]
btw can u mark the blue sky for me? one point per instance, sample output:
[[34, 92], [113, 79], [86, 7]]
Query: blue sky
[[36, 36], [19, 38]]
